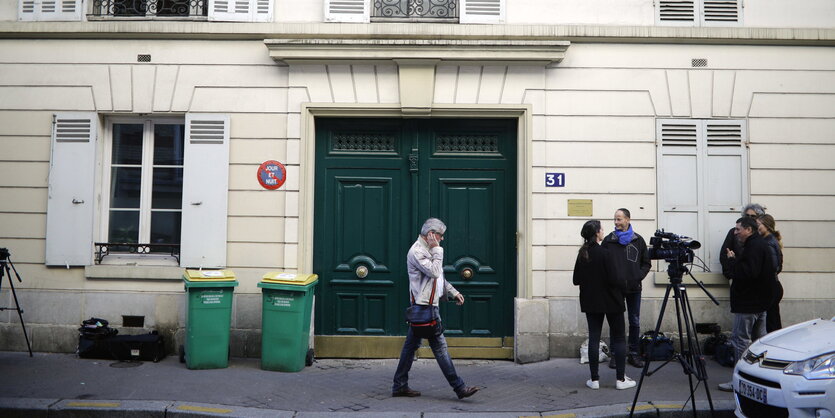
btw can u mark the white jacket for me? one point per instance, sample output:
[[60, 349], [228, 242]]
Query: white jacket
[[424, 265]]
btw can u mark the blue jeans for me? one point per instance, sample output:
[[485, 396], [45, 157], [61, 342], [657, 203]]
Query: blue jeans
[[747, 327], [439, 349], [633, 308]]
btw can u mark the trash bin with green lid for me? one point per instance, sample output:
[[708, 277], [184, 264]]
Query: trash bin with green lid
[[287, 301], [209, 314]]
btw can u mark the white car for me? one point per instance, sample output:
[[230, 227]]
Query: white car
[[788, 373]]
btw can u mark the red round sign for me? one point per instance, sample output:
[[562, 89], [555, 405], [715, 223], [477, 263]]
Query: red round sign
[[272, 174]]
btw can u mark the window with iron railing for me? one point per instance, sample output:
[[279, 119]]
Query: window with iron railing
[[415, 10], [150, 8]]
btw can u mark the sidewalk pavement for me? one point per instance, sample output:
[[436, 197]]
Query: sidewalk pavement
[[65, 385]]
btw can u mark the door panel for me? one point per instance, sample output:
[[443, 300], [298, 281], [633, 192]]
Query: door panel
[[377, 180]]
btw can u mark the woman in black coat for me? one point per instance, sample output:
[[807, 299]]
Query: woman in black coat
[[601, 296]]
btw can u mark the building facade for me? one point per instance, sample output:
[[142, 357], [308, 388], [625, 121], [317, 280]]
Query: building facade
[[134, 130]]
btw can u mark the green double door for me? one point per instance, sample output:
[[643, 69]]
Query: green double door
[[377, 180]]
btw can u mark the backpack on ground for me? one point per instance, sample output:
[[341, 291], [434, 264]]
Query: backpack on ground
[[662, 350]]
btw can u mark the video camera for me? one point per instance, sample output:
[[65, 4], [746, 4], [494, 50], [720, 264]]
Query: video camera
[[672, 248], [4, 253]]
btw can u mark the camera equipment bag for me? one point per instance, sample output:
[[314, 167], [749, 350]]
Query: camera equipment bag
[[98, 341], [723, 351], [421, 318], [662, 350]]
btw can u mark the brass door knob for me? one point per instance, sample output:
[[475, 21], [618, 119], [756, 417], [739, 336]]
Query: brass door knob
[[467, 273], [361, 272]]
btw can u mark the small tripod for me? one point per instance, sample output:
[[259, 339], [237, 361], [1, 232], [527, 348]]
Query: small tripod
[[6, 267], [690, 355]]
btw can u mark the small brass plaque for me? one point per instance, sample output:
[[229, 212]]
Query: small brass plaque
[[579, 207]]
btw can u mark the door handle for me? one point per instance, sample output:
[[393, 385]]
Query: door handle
[[361, 271], [467, 273]]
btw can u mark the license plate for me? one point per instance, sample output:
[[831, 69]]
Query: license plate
[[757, 393]]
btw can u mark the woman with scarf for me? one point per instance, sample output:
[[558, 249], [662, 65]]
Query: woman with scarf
[[632, 263], [601, 297]]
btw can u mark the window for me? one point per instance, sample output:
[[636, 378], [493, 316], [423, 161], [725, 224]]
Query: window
[[144, 180], [699, 12], [454, 11], [702, 180], [149, 8], [164, 182]]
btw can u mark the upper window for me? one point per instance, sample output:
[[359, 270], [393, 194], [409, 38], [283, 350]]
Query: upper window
[[453, 11], [698, 12], [702, 181], [144, 183], [150, 8]]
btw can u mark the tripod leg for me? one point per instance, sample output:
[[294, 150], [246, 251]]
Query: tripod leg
[[697, 360], [647, 360], [685, 348], [17, 305]]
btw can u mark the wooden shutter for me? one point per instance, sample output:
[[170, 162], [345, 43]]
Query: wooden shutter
[[230, 10], [676, 13], [721, 12], [347, 11], [702, 180], [205, 191], [262, 11], [37, 10], [726, 182], [71, 193], [482, 11]]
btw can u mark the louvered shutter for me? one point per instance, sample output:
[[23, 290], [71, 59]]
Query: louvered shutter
[[38, 10], [726, 182], [676, 13], [678, 176], [482, 11], [71, 192], [721, 12], [347, 11], [205, 191], [262, 11], [231, 10]]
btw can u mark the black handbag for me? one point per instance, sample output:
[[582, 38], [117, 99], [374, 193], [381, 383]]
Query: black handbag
[[421, 318]]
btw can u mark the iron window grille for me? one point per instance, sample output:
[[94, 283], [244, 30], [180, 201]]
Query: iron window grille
[[415, 10], [150, 8], [104, 249]]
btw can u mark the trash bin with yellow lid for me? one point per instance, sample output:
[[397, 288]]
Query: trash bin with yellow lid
[[287, 301], [208, 318]]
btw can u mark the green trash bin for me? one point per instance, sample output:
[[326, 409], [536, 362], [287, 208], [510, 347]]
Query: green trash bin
[[209, 314], [287, 301]]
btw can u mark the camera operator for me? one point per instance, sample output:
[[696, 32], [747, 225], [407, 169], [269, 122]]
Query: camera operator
[[632, 263], [752, 273]]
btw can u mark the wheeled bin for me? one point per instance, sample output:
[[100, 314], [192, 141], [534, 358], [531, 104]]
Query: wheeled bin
[[209, 314], [287, 301]]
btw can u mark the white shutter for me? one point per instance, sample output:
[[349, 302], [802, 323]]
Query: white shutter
[[676, 13], [482, 11], [678, 176], [230, 10], [347, 11], [262, 11], [726, 182], [721, 12], [38, 10], [71, 193], [205, 191]]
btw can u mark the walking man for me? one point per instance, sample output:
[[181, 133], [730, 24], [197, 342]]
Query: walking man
[[425, 264], [632, 263], [752, 286]]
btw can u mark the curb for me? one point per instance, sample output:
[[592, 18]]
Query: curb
[[37, 408]]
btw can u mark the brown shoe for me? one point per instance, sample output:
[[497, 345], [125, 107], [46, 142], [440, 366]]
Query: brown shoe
[[405, 392], [466, 392]]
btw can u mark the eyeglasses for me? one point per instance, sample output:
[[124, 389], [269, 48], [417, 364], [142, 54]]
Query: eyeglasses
[[753, 215]]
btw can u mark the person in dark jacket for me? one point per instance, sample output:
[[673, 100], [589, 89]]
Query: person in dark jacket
[[752, 287], [632, 263], [601, 296], [753, 210], [768, 230]]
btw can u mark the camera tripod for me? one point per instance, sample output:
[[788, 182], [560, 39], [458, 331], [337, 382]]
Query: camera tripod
[[6, 267], [690, 354]]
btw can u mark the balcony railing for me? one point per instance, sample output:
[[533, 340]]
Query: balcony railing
[[415, 10], [150, 8], [104, 249]]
